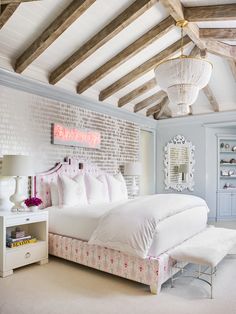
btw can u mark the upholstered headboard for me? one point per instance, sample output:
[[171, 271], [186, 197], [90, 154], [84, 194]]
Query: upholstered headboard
[[70, 167]]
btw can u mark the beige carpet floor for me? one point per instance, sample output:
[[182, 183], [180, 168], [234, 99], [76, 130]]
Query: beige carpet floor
[[62, 287]]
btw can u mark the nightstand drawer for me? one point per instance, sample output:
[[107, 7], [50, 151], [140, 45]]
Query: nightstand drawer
[[21, 256], [25, 219]]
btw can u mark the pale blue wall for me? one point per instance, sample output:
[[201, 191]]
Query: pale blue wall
[[201, 131]]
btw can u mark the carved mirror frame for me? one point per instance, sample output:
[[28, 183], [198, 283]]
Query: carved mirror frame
[[179, 154]]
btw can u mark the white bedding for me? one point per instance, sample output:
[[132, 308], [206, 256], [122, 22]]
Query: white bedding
[[131, 228], [77, 222], [81, 222]]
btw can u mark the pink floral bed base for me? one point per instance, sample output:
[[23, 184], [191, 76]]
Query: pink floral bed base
[[152, 271]]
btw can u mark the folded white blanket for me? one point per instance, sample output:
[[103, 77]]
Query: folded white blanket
[[130, 227]]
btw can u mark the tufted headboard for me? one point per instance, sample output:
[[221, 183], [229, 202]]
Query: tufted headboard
[[70, 167]]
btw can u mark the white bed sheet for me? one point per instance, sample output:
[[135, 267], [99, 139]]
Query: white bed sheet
[[77, 222], [80, 223]]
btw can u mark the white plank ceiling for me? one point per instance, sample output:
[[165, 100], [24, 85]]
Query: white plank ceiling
[[31, 18]]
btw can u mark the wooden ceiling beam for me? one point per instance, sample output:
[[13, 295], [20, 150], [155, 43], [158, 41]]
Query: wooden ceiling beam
[[167, 112], [6, 12], [2, 2], [142, 69], [108, 32], [196, 52], [232, 65], [222, 12], [212, 100], [157, 97], [148, 38], [160, 107], [52, 32], [221, 49], [163, 105], [137, 92], [218, 33], [176, 10]]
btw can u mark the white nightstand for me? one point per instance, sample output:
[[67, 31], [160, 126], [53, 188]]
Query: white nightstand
[[34, 223]]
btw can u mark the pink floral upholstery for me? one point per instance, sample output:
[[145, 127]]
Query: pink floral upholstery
[[151, 271]]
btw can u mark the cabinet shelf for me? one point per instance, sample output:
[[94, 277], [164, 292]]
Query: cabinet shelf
[[228, 177], [228, 164], [227, 152]]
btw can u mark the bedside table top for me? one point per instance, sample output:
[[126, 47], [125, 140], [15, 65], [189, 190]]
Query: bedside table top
[[11, 214]]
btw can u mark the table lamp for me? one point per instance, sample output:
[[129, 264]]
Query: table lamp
[[17, 166], [133, 169]]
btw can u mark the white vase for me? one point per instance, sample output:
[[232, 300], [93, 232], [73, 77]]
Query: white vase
[[33, 208]]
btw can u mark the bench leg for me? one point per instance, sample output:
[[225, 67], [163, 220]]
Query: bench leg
[[212, 272]]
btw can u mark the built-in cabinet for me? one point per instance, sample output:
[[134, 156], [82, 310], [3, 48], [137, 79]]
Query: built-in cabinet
[[226, 186]]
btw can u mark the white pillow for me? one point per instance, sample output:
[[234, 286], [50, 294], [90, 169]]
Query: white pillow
[[73, 190], [54, 194], [117, 188], [97, 189]]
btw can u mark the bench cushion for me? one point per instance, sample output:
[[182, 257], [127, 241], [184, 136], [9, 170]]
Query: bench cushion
[[208, 247]]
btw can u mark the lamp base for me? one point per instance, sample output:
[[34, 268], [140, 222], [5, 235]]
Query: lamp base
[[17, 198], [134, 188]]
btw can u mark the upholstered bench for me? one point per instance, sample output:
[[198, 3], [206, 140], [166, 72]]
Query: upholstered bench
[[207, 248]]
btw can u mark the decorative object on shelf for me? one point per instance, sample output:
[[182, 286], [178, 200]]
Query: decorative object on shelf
[[224, 173], [234, 148], [33, 203], [231, 172], [183, 77], [179, 164], [232, 161], [229, 186], [222, 145], [227, 146], [133, 169], [17, 166]]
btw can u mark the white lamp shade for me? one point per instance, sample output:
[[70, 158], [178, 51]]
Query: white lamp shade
[[133, 169], [17, 165]]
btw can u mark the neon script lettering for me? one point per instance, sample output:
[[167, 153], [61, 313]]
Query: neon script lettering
[[75, 137]]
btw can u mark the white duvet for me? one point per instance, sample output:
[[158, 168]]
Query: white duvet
[[131, 227]]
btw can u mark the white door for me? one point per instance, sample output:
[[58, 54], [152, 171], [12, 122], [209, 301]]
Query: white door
[[147, 158]]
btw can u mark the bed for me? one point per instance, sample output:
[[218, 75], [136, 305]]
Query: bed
[[71, 229]]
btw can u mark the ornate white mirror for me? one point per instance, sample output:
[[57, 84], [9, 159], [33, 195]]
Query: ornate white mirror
[[179, 164]]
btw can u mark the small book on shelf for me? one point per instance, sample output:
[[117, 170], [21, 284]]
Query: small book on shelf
[[26, 237]]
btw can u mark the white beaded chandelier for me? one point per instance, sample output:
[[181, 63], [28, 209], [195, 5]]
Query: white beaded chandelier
[[183, 77]]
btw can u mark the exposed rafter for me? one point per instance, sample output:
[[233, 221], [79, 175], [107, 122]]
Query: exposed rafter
[[232, 65], [212, 100], [222, 12], [153, 34], [196, 52], [137, 92], [6, 12], [52, 32], [15, 1], [218, 33], [163, 105], [157, 97], [108, 32], [175, 9], [221, 49], [142, 69], [159, 107]]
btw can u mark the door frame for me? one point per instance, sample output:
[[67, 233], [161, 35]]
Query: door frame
[[154, 133]]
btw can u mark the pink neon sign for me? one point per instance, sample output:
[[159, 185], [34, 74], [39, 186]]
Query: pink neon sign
[[75, 137]]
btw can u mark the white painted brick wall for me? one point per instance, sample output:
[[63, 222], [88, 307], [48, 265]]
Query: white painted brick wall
[[25, 128]]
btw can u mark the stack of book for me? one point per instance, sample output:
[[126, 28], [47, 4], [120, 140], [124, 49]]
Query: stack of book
[[19, 238]]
